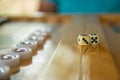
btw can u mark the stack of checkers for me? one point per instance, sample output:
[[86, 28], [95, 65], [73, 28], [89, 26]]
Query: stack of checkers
[[12, 58]]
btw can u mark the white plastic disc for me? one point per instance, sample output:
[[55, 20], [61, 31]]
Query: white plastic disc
[[4, 72], [44, 34], [39, 39], [37, 34], [28, 43], [10, 59], [24, 52]]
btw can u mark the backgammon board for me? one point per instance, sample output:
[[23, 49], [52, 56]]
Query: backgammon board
[[61, 57]]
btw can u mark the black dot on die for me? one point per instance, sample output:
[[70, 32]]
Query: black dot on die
[[78, 39], [95, 41], [86, 42], [91, 37], [96, 38], [91, 41], [83, 38]]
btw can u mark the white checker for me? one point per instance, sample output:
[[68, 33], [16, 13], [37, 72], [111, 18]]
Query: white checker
[[4, 72], [24, 52], [10, 59], [28, 43]]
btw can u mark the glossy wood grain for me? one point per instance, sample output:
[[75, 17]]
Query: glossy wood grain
[[62, 58], [102, 66], [74, 62], [112, 34]]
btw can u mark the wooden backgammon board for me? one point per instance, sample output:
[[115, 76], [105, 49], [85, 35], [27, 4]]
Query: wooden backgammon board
[[61, 58]]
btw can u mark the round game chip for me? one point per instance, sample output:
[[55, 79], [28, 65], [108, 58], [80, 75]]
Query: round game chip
[[39, 34], [4, 72], [10, 59], [24, 52], [42, 33], [6, 57], [28, 43], [39, 39], [19, 50], [43, 30]]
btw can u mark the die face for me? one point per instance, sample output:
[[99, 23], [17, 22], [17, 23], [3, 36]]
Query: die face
[[83, 39], [94, 39]]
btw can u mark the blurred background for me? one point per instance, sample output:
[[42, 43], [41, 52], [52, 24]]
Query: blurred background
[[40, 8]]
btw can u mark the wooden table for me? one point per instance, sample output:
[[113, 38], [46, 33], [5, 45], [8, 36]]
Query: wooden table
[[62, 58]]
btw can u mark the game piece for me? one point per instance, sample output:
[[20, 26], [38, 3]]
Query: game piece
[[4, 72], [10, 59], [83, 39], [43, 33], [38, 34], [39, 39], [94, 39], [28, 43], [24, 52]]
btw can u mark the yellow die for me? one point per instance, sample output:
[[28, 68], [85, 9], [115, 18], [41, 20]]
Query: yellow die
[[83, 39], [94, 39]]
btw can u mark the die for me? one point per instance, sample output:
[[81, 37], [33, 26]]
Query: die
[[83, 39], [94, 39]]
